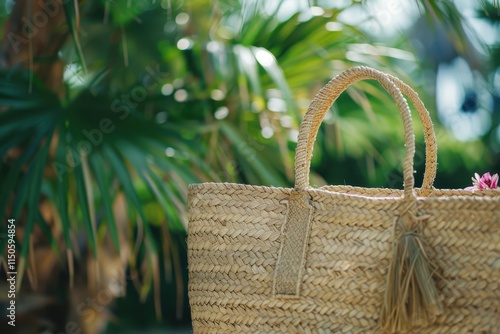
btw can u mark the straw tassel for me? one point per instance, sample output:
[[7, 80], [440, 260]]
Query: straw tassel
[[411, 299]]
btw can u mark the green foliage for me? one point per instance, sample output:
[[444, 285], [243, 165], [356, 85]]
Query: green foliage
[[163, 94]]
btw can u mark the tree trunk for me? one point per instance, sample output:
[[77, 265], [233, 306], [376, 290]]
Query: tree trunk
[[34, 33]]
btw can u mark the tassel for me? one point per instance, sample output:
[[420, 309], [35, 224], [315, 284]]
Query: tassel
[[411, 298]]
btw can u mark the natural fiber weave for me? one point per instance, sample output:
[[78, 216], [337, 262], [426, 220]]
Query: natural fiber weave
[[245, 276]]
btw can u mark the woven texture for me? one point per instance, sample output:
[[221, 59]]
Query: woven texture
[[303, 260]]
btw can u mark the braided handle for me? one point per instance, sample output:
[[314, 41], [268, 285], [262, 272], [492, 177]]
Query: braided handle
[[429, 134], [327, 96]]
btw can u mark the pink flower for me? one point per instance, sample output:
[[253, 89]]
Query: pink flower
[[484, 182]]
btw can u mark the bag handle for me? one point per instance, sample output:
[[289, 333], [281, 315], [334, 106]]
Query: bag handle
[[411, 296], [327, 96]]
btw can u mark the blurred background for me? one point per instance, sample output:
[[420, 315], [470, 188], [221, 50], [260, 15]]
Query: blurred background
[[109, 109]]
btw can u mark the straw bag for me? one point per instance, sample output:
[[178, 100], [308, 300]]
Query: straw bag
[[343, 259]]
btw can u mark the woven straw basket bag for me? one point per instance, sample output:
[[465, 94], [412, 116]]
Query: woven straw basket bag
[[343, 259]]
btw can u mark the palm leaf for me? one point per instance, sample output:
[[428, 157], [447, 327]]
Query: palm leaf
[[62, 185], [265, 173], [73, 21], [33, 202], [98, 168], [81, 190], [15, 170]]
